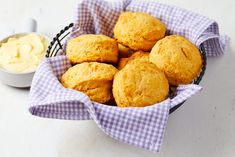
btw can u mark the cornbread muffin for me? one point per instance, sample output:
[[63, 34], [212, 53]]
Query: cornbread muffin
[[139, 84], [138, 30], [178, 58], [93, 78], [139, 55], [92, 48]]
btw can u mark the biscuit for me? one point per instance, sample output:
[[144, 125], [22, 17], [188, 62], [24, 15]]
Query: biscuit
[[139, 55], [179, 59], [93, 78], [92, 48], [138, 30], [139, 84]]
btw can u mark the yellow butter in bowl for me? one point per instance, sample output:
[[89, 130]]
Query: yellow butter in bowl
[[23, 54]]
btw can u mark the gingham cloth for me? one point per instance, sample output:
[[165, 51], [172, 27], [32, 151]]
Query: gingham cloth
[[142, 127]]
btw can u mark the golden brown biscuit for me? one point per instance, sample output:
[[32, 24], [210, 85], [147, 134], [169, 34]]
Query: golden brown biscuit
[[138, 30], [139, 84], [140, 55], [178, 58], [93, 78], [92, 48]]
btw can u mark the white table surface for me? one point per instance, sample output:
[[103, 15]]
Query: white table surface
[[204, 126]]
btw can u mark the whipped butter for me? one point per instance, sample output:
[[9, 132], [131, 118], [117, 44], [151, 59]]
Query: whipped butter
[[22, 54]]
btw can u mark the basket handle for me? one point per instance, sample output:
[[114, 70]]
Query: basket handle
[[56, 44]]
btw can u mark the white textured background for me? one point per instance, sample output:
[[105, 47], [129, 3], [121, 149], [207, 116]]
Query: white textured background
[[204, 126]]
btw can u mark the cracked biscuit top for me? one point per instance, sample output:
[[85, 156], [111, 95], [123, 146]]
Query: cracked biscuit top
[[93, 78], [138, 30], [179, 59], [139, 84], [92, 48]]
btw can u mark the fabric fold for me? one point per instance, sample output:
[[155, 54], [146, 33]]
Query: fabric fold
[[142, 127]]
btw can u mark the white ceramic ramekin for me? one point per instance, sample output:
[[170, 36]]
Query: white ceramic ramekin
[[20, 80]]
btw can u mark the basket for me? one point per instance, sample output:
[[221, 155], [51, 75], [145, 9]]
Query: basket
[[58, 41]]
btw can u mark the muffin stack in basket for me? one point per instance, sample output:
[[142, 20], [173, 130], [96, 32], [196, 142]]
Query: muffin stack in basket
[[136, 67]]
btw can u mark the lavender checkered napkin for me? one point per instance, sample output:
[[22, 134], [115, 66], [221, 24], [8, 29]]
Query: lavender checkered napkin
[[142, 127]]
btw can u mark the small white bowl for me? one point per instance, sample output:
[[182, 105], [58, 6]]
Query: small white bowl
[[19, 80]]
